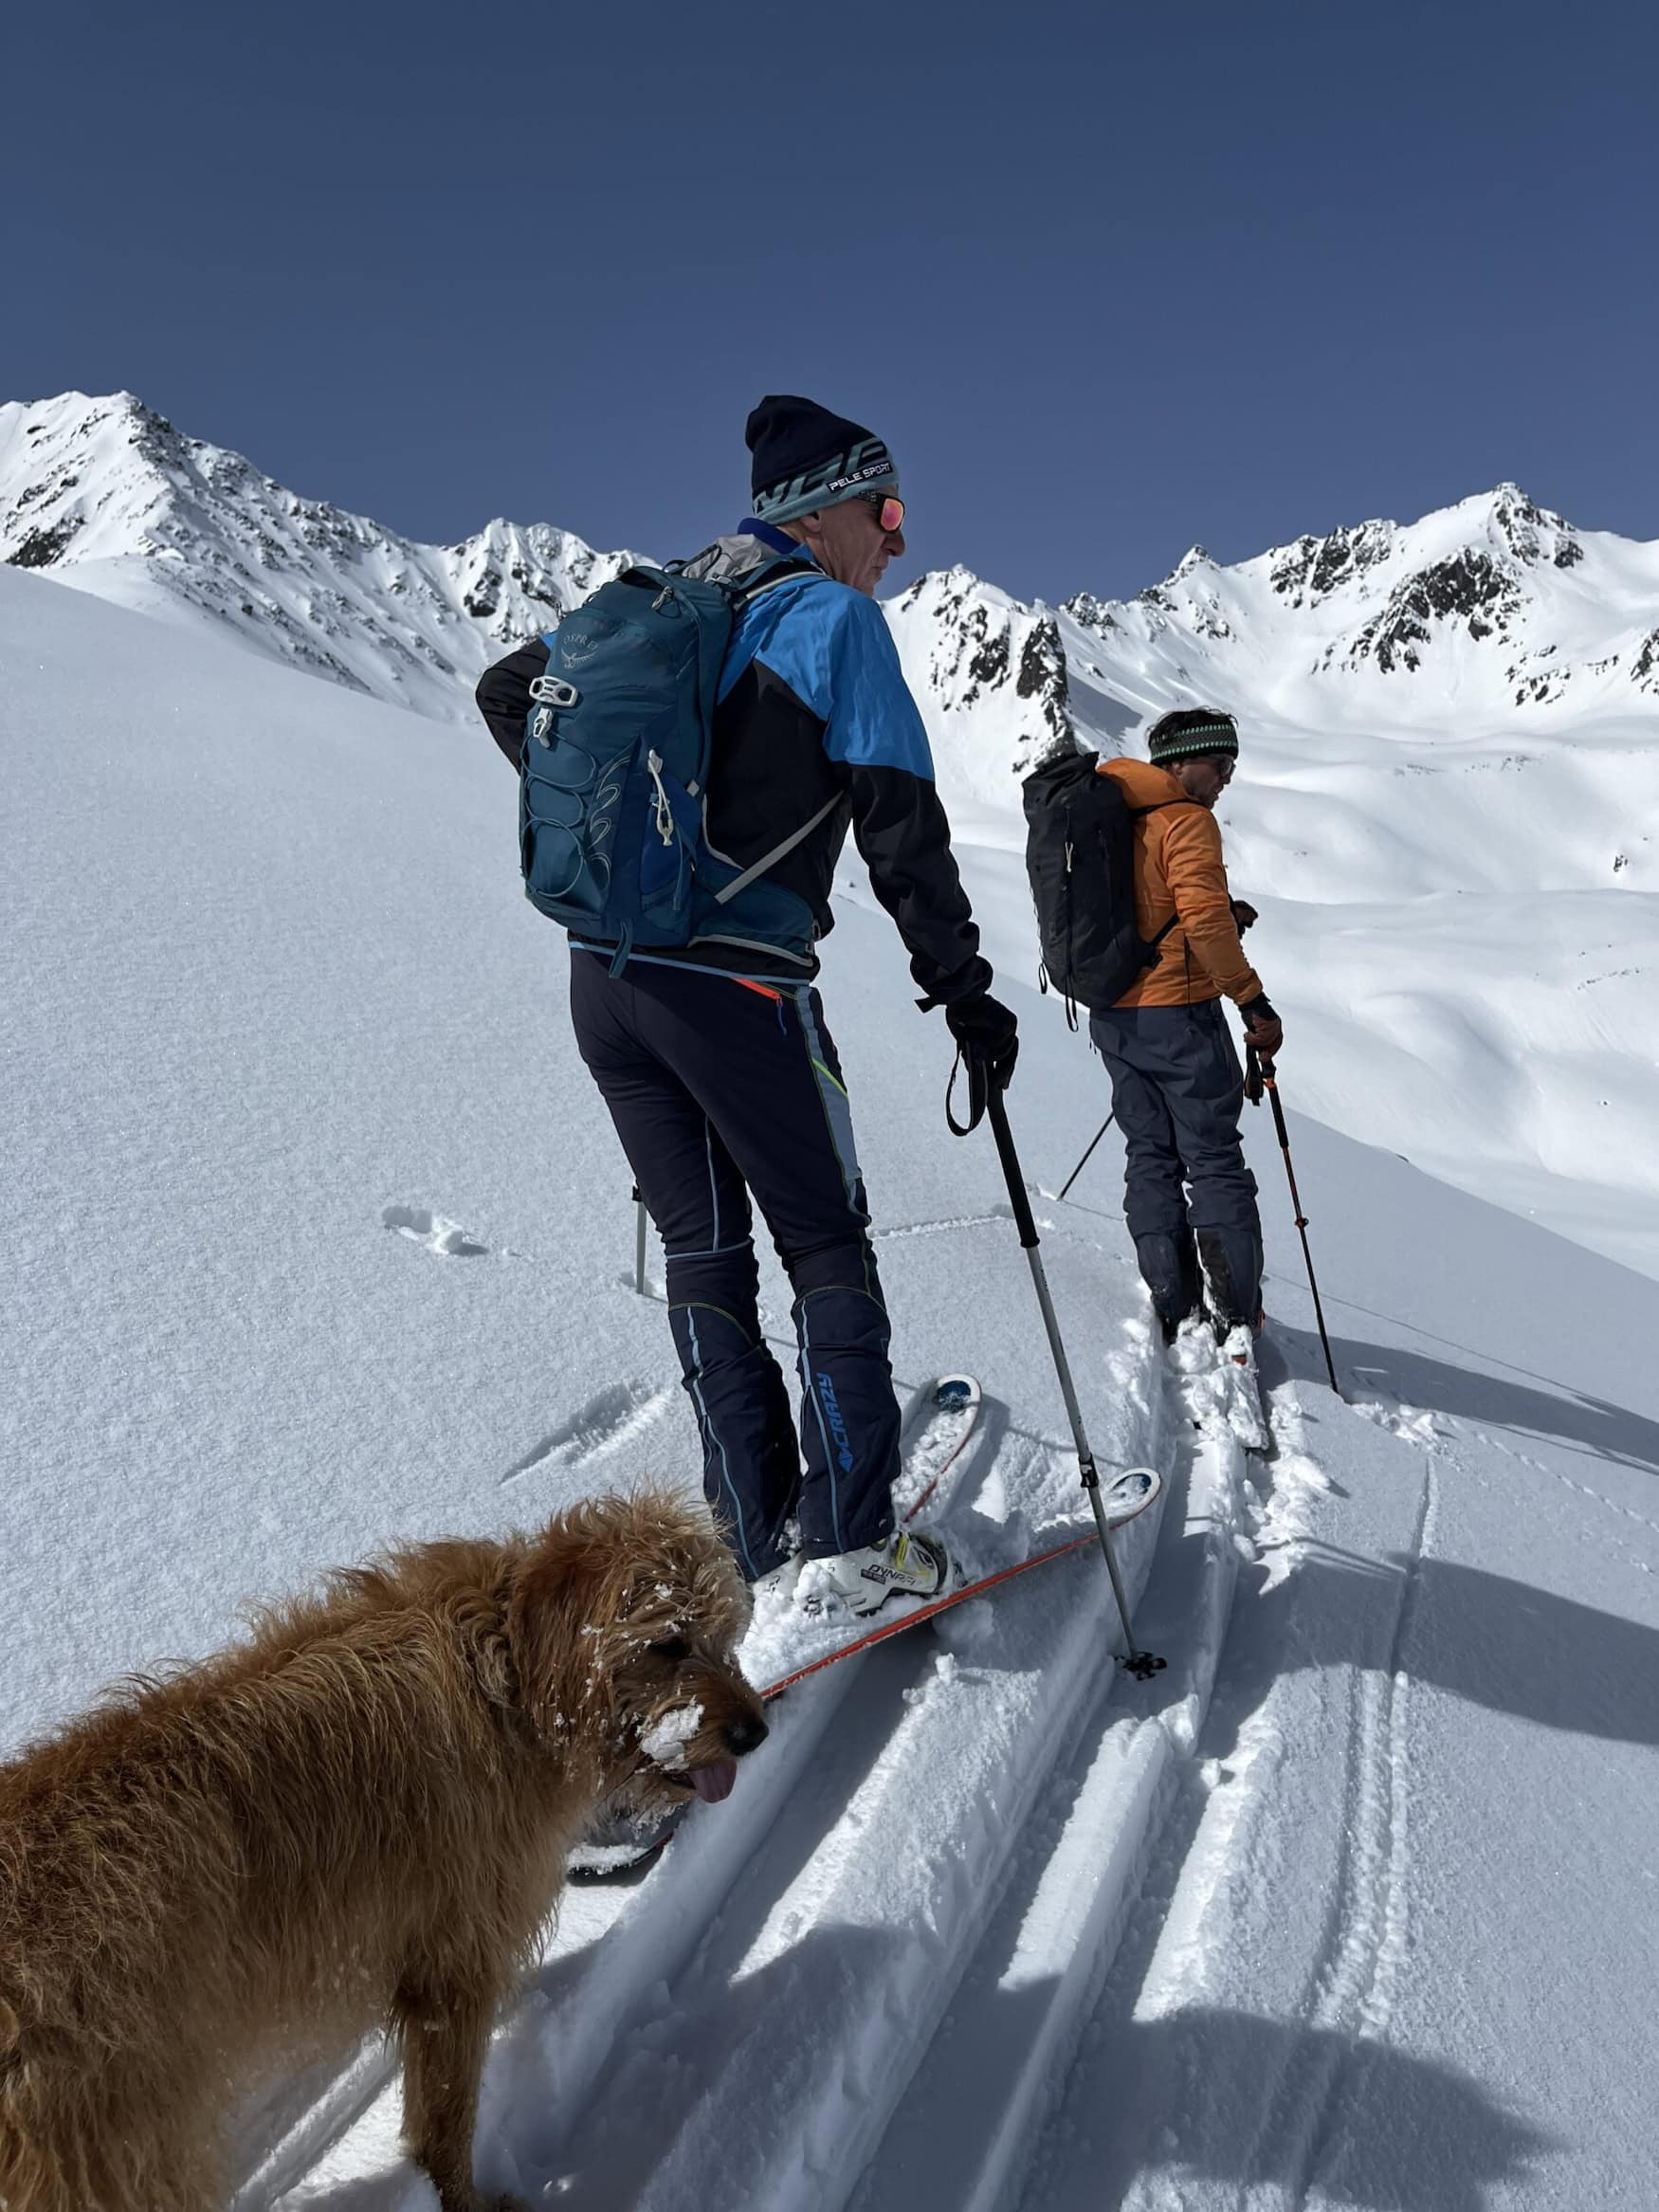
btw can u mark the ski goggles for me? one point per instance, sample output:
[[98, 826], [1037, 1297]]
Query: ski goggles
[[888, 509]]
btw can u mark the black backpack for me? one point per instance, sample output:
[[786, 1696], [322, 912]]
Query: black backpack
[[1080, 855]]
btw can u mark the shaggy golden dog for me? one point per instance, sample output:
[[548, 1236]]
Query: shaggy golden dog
[[359, 1816]]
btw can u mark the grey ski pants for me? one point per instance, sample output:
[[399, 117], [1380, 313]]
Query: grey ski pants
[[1177, 1091]]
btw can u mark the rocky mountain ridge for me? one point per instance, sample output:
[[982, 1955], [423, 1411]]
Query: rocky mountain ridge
[[1489, 613]]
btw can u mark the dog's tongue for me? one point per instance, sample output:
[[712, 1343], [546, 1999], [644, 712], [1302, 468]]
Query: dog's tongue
[[714, 1783]]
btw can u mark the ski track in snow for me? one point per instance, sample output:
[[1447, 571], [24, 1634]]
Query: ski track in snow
[[1582, 1489], [995, 1218], [1208, 1865], [1350, 1974], [1417, 1425], [1371, 1932], [615, 1417]]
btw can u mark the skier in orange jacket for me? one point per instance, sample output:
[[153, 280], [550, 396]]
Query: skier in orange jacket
[[1177, 1087]]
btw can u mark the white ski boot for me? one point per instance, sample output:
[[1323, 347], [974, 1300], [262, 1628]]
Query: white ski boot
[[905, 1564]]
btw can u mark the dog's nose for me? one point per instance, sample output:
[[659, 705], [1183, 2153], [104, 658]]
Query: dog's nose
[[745, 1735]]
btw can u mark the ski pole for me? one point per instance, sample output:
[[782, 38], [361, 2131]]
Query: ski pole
[[1141, 1664], [639, 1242], [1083, 1161], [1272, 1086]]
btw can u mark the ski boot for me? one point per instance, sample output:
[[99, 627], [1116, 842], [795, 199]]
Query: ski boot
[[905, 1564]]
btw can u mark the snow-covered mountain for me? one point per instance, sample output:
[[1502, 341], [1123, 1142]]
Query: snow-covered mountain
[[1494, 603], [106, 495], [1491, 618], [1445, 807], [1493, 610]]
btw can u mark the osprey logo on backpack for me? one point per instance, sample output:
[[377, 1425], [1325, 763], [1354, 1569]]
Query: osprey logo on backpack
[[1079, 856], [614, 781], [580, 640]]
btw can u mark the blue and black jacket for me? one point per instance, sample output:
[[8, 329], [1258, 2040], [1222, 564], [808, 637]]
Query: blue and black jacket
[[813, 712]]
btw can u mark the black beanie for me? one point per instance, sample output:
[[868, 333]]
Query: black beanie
[[806, 458], [1189, 733]]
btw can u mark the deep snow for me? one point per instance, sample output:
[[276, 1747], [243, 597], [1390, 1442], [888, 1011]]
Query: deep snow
[[319, 1239]]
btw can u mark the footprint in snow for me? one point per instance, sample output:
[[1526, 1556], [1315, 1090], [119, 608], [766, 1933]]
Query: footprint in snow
[[435, 1231]]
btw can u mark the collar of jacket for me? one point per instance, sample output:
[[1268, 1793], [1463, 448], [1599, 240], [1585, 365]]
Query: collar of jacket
[[1143, 785], [748, 548], [776, 539]]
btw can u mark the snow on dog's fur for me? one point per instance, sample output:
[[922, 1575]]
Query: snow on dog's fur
[[358, 1816]]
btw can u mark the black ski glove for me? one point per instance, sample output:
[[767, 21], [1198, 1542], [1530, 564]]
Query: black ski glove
[[989, 1035], [1243, 914], [1263, 1029]]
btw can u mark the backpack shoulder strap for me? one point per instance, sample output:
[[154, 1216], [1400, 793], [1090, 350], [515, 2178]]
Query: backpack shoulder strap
[[781, 571], [772, 572]]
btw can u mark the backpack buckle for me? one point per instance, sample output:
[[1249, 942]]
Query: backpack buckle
[[553, 692]]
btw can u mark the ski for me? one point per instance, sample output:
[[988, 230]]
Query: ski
[[1223, 1386], [1245, 1411], [938, 1427], [1126, 1499]]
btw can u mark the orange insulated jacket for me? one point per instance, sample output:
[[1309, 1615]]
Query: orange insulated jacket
[[1179, 872]]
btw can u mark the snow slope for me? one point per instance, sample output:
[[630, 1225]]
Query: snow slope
[[1445, 807], [1350, 1907]]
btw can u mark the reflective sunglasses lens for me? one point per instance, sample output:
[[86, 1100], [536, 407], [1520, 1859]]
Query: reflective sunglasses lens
[[891, 514]]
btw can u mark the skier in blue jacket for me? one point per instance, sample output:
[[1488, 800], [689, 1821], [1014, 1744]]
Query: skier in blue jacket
[[716, 1062]]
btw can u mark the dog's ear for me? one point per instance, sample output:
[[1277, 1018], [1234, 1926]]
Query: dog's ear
[[558, 1600]]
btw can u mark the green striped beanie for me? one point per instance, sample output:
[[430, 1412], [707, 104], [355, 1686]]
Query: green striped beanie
[[1195, 730]]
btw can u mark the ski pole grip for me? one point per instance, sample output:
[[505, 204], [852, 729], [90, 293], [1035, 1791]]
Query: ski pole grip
[[1010, 1169]]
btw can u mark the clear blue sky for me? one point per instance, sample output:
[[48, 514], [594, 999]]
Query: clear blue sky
[[1109, 279]]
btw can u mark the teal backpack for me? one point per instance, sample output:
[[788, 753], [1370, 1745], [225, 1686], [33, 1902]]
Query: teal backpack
[[614, 775]]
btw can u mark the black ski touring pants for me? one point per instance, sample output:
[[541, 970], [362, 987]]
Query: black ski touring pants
[[723, 1089]]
